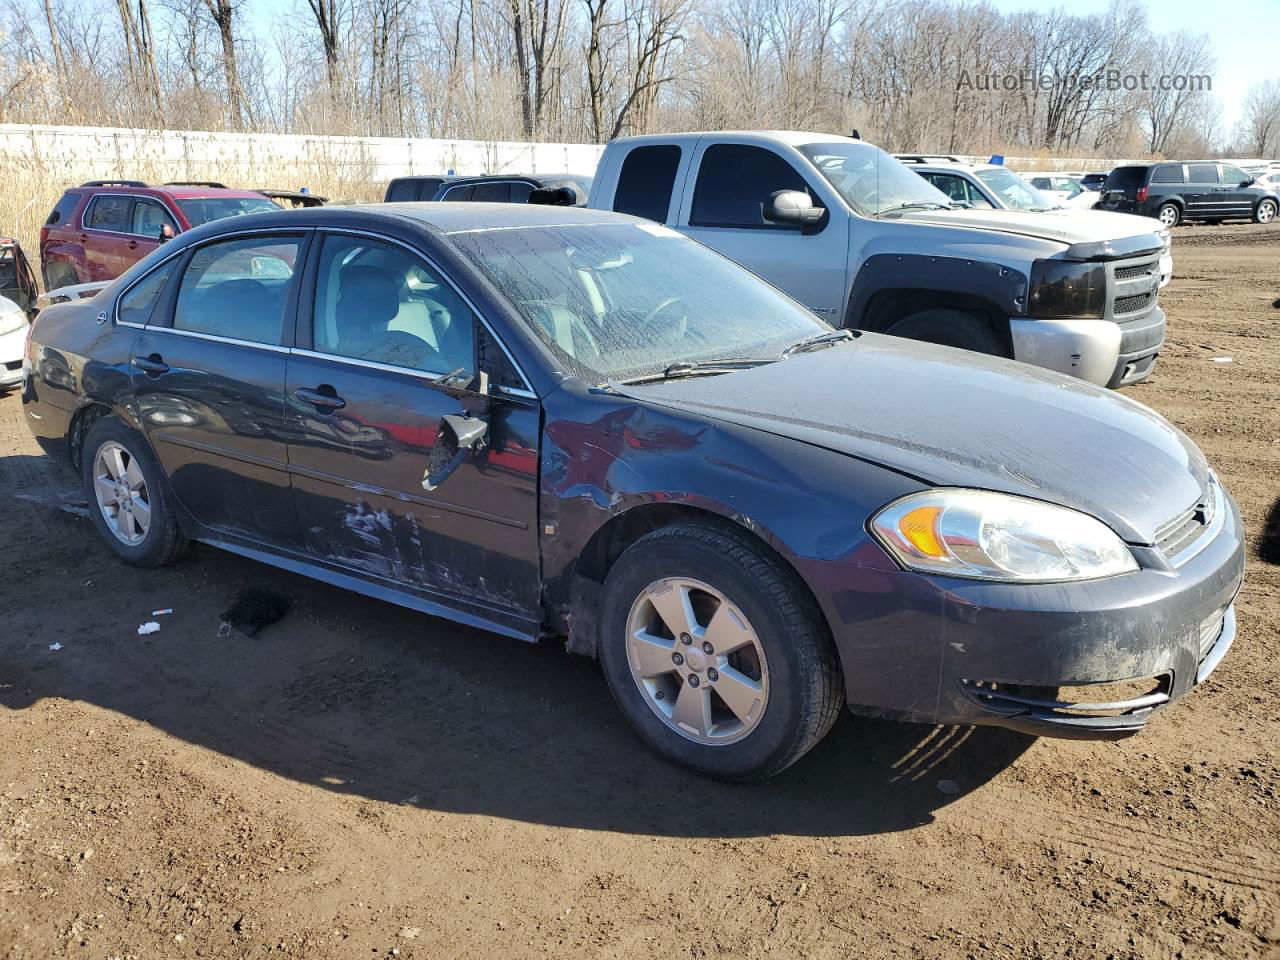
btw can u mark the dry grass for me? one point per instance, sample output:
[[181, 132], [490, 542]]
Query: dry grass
[[32, 189]]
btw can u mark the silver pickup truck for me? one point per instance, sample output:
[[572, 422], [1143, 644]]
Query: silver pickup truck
[[863, 241]]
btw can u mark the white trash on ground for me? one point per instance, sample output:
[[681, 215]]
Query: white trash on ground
[[149, 627]]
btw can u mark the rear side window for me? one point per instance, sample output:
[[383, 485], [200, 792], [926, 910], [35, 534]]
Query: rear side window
[[109, 212], [1202, 173], [238, 288], [63, 210], [462, 194], [646, 182], [491, 192], [136, 305], [735, 182], [1126, 178], [402, 190], [1167, 173]]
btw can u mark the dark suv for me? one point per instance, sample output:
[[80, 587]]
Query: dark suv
[[1201, 190], [100, 229], [490, 188]]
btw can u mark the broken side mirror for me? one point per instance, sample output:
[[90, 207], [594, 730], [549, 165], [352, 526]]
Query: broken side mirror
[[457, 436], [792, 208], [166, 232]]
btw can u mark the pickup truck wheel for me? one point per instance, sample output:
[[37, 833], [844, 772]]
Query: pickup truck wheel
[[129, 500], [1169, 214], [951, 328], [716, 653], [1265, 212]]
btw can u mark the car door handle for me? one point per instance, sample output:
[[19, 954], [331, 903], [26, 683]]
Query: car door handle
[[152, 366], [133, 244], [323, 397]]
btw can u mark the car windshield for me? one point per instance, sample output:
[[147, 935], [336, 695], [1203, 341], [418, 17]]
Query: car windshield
[[870, 180], [1015, 192], [200, 210], [622, 300]]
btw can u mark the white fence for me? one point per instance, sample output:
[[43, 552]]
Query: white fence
[[84, 153]]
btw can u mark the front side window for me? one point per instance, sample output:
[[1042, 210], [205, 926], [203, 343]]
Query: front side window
[[624, 299], [1202, 173], [238, 288], [200, 210], [379, 302], [149, 217], [109, 212], [870, 180], [138, 302], [735, 182], [1234, 176], [958, 189], [647, 180]]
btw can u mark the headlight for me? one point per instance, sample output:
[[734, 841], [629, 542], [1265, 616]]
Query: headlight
[[11, 321], [1066, 288], [996, 536]]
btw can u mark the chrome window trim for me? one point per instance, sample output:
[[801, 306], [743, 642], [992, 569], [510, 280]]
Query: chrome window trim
[[444, 278], [115, 304], [213, 337], [94, 199], [370, 364]]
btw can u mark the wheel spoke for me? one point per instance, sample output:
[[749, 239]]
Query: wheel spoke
[[650, 655], [693, 709], [114, 461], [675, 610], [727, 631], [133, 475], [740, 693], [141, 515], [106, 490]]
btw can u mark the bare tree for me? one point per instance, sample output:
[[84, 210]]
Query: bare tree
[[1168, 105], [223, 14], [1260, 124]]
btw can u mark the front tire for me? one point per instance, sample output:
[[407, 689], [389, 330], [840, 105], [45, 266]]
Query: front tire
[[1265, 212], [129, 501], [716, 653], [1169, 214], [951, 328]]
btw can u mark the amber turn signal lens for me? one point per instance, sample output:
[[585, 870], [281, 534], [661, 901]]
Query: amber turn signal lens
[[920, 528]]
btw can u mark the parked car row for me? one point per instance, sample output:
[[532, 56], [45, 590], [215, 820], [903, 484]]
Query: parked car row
[[581, 423]]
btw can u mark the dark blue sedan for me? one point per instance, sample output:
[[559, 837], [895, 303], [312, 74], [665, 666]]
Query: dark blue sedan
[[559, 422]]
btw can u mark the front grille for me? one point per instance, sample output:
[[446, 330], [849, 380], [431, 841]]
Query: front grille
[[1135, 271], [1184, 531], [1134, 303]]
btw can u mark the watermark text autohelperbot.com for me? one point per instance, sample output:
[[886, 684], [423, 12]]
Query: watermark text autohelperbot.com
[[1101, 80]]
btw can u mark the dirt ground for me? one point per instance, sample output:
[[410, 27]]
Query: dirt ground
[[362, 781]]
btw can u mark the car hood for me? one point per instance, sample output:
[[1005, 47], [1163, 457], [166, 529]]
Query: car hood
[[1050, 225], [953, 418]]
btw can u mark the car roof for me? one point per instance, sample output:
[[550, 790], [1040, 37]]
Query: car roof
[[948, 166], [457, 217], [795, 138], [177, 192]]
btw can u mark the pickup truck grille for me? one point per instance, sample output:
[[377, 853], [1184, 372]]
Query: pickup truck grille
[[1139, 301], [1136, 271], [1133, 286]]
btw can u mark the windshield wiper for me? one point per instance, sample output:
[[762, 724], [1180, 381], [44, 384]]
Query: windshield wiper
[[915, 205], [819, 340], [700, 368]]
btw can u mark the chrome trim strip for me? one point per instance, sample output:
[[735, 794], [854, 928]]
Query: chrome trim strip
[[273, 347], [1220, 647], [370, 364], [1215, 527]]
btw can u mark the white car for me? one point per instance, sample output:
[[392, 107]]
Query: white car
[[13, 342], [989, 186], [1065, 190], [1269, 181]]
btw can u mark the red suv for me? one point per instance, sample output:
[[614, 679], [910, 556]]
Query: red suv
[[100, 229]]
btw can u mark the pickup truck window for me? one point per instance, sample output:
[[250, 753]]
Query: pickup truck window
[[620, 300], [870, 180], [646, 182], [735, 182]]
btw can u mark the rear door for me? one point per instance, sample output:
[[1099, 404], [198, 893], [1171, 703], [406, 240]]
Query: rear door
[[106, 236], [208, 375], [725, 210], [387, 349]]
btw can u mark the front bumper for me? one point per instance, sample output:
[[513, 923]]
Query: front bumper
[[1106, 352], [1032, 657]]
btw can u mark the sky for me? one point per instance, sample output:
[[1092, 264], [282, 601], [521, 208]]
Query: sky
[[1244, 37]]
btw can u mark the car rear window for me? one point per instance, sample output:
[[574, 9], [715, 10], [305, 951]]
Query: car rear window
[[1126, 178], [65, 206], [200, 210]]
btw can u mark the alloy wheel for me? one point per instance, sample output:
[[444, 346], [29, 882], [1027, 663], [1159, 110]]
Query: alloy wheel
[[121, 492], [697, 661], [1169, 215], [1266, 211]]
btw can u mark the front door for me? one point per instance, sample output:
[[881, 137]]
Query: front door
[[383, 490], [208, 377], [726, 212], [1238, 189], [148, 219]]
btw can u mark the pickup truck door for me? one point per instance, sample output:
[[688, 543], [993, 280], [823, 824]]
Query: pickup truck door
[[723, 206]]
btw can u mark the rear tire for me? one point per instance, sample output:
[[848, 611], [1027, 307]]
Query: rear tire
[[767, 648], [1169, 214], [59, 274], [129, 499], [1265, 212], [951, 328]]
